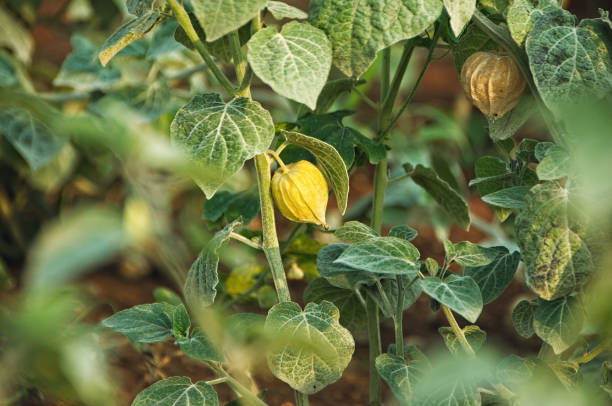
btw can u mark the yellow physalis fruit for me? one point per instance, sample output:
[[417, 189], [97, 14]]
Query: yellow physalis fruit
[[300, 192], [492, 82], [295, 272]]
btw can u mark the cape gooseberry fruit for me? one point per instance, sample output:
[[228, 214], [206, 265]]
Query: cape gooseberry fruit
[[492, 82], [300, 192]]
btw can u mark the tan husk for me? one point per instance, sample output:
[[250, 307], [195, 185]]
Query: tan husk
[[300, 192], [492, 82]]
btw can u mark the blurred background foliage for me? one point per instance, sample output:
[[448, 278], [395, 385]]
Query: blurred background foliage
[[90, 182]]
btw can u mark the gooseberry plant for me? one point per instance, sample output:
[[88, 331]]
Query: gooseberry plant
[[311, 59]]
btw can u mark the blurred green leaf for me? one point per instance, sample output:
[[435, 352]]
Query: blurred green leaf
[[139, 7], [15, 37], [403, 231], [401, 376], [76, 242], [519, 19], [199, 346], [507, 126], [165, 295], [522, 317], [127, 33], [460, 12], [509, 198], [220, 17], [466, 253], [181, 323], [243, 204], [177, 390], [474, 335], [447, 197]]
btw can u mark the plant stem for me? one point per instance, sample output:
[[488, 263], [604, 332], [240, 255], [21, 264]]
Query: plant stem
[[458, 332], [375, 349], [397, 78], [380, 184], [432, 47], [249, 398], [270, 239], [587, 357], [301, 399], [240, 63], [398, 320], [183, 19], [244, 240]]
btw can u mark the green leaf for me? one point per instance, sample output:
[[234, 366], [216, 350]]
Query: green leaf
[[550, 233], [352, 313], [401, 376], [460, 294], [76, 242], [507, 126], [32, 138], [384, 255], [474, 335], [514, 371], [472, 40], [295, 63], [522, 317], [570, 64], [15, 37], [354, 232], [82, 70], [220, 17], [126, 34], [526, 151], [460, 12], [181, 323], [486, 167], [165, 295], [331, 91], [389, 286], [358, 29], [470, 254], [519, 19], [509, 198], [558, 323], [312, 349], [494, 278], [243, 204], [337, 274], [220, 137], [329, 161], [606, 377], [280, 10], [329, 128], [147, 323], [139, 7], [201, 286], [554, 165], [403, 231], [542, 149], [8, 71], [447, 197], [199, 346], [177, 391]]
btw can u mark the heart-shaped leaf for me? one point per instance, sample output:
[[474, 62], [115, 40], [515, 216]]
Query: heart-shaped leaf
[[219, 137], [177, 391], [312, 349], [295, 62], [383, 255], [559, 322], [220, 17], [460, 294], [494, 277]]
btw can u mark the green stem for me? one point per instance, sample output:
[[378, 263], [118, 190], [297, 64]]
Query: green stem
[[301, 399], [589, 356], [397, 78], [270, 239], [248, 397], [183, 19], [458, 332], [432, 47], [240, 64], [380, 184], [375, 349], [398, 320]]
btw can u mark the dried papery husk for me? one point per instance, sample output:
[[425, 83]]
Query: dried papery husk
[[492, 82], [300, 192]]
